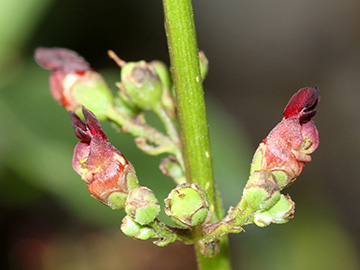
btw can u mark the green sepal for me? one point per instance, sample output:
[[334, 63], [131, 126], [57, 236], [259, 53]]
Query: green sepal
[[163, 72], [261, 191], [142, 205], [187, 205], [281, 178], [94, 94], [141, 84], [257, 160], [280, 213], [133, 229], [117, 200]]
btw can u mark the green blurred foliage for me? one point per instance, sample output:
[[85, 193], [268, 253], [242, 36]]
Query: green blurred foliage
[[36, 144]]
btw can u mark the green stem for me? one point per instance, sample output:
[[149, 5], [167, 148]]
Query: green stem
[[180, 30]]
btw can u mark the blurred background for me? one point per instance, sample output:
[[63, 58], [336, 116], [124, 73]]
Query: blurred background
[[260, 53]]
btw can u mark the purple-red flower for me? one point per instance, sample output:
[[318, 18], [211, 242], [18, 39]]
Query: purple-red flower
[[289, 145], [67, 68], [99, 163], [73, 83]]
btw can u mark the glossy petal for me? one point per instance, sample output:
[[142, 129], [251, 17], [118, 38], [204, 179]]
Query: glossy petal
[[303, 104]]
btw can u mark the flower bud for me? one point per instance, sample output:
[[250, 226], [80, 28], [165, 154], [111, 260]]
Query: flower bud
[[279, 213], [204, 65], [163, 72], [261, 191], [167, 98], [288, 146], [73, 83], [133, 229], [187, 205], [141, 84], [106, 171], [142, 205]]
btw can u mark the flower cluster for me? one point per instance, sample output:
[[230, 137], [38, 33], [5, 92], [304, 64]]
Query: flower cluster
[[111, 178], [280, 159]]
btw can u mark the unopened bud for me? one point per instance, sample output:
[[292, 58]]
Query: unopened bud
[[187, 205], [261, 191], [204, 65], [73, 83], [167, 98], [163, 72], [279, 213], [142, 205], [141, 84], [133, 229]]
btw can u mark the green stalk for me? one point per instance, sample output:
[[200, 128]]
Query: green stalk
[[180, 30]]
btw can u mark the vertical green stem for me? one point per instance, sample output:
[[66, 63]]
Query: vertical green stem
[[180, 30]]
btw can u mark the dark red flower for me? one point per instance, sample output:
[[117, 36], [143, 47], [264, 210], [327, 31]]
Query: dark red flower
[[106, 171], [73, 83], [67, 68], [289, 145]]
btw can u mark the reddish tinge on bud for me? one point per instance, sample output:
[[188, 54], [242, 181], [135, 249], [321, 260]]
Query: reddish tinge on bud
[[289, 145], [106, 171], [67, 68], [73, 83]]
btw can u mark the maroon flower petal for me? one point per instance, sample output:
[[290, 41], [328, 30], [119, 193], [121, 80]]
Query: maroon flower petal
[[80, 127], [93, 123], [303, 104], [61, 59]]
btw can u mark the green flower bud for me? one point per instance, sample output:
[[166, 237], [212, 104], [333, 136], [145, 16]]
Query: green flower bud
[[133, 229], [142, 205], [280, 213], [167, 98], [204, 65], [187, 205], [163, 72], [261, 191], [141, 84]]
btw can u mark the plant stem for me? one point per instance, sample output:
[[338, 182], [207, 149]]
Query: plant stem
[[180, 30]]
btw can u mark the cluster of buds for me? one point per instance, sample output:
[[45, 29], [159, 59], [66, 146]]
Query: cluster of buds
[[110, 177], [72, 82], [280, 159]]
